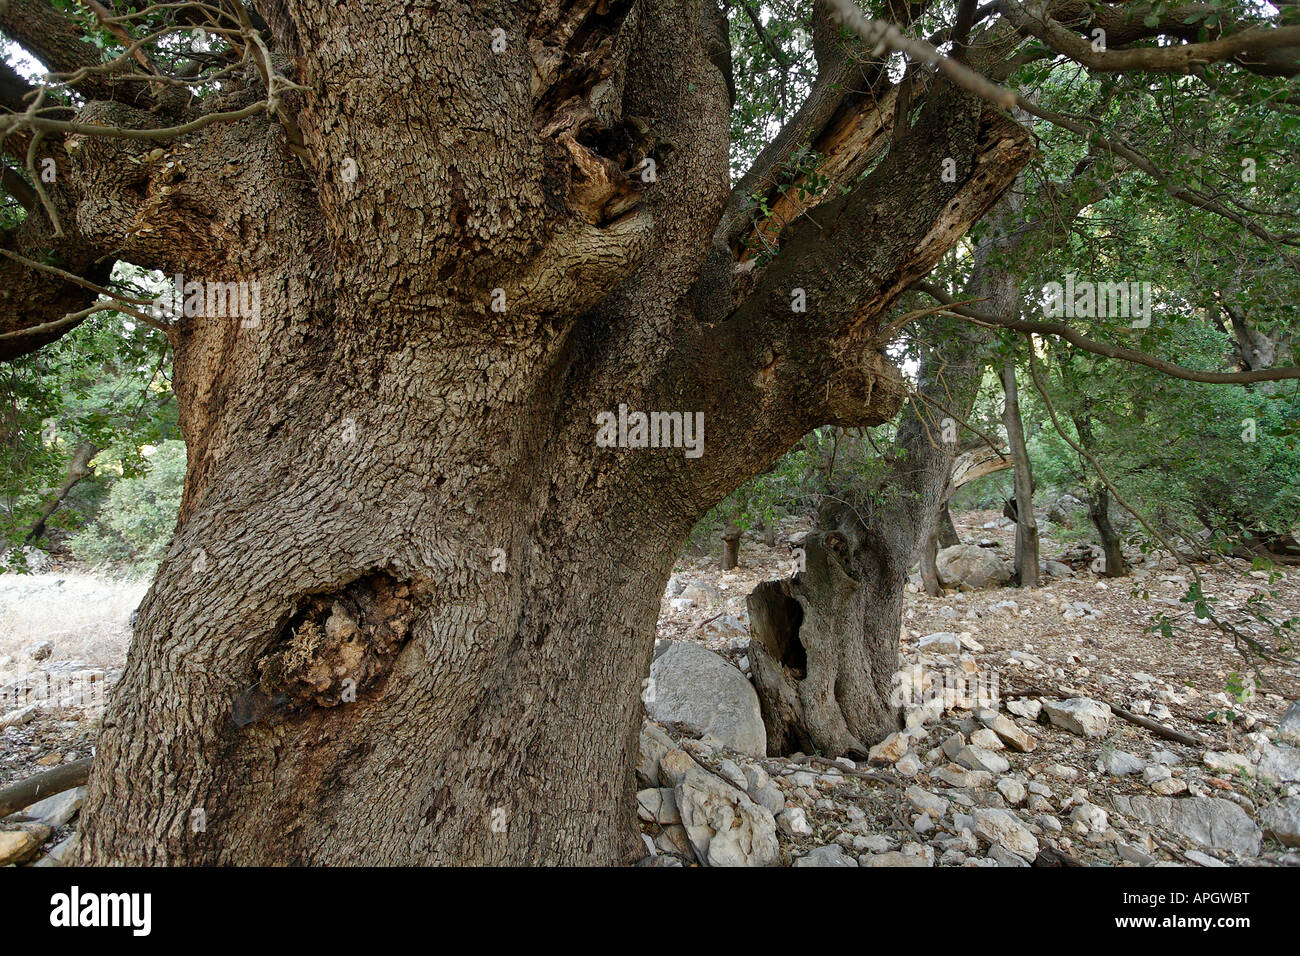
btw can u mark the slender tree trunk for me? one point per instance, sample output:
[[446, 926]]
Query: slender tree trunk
[[1111, 543], [1099, 505], [1026, 568], [942, 534], [730, 545], [928, 555], [948, 536]]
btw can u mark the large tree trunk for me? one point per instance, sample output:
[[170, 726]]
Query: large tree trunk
[[1026, 567], [411, 595], [825, 643]]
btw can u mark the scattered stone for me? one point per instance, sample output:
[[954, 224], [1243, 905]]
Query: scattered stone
[[892, 858], [1092, 818], [926, 802], [1078, 611], [957, 776], [1222, 761], [978, 758], [701, 594], [999, 826], [1279, 764], [908, 765], [729, 772], [941, 642], [1057, 569], [1131, 854], [1007, 731], [890, 749], [1120, 763], [1048, 822], [725, 629], [1004, 857], [794, 822], [832, 855], [1079, 715], [1288, 728], [654, 744], [1026, 707], [762, 790], [1170, 786], [1012, 790], [57, 810], [725, 827], [673, 839], [1152, 775], [657, 805]]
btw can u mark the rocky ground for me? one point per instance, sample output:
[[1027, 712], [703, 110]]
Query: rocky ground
[[63, 640], [1012, 753]]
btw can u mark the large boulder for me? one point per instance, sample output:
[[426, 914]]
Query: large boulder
[[692, 685], [1210, 821], [970, 567]]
